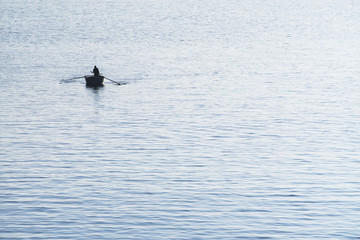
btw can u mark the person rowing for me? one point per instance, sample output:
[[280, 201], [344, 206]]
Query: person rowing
[[96, 71]]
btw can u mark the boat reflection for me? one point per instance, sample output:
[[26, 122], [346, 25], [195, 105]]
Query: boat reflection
[[95, 87]]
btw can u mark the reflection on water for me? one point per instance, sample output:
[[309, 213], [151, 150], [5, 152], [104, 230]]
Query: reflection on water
[[95, 93], [95, 88]]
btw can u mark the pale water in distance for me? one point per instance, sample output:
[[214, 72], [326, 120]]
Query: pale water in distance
[[238, 120]]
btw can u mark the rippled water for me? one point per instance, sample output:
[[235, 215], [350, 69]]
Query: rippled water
[[238, 120]]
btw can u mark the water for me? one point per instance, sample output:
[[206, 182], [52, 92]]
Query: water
[[238, 120]]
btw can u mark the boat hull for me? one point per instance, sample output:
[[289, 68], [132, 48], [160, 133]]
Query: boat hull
[[94, 81]]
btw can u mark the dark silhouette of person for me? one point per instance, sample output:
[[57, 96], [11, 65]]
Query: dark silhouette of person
[[96, 71]]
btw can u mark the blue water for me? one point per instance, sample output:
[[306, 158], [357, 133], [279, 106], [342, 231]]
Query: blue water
[[237, 120]]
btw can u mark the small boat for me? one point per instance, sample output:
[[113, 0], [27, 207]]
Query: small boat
[[94, 80]]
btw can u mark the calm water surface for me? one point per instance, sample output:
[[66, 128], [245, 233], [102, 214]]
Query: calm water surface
[[238, 120]]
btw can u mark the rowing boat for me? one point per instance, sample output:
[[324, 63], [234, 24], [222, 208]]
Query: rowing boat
[[94, 80]]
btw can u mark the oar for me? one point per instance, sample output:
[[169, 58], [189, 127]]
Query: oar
[[73, 78], [113, 81], [69, 79]]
